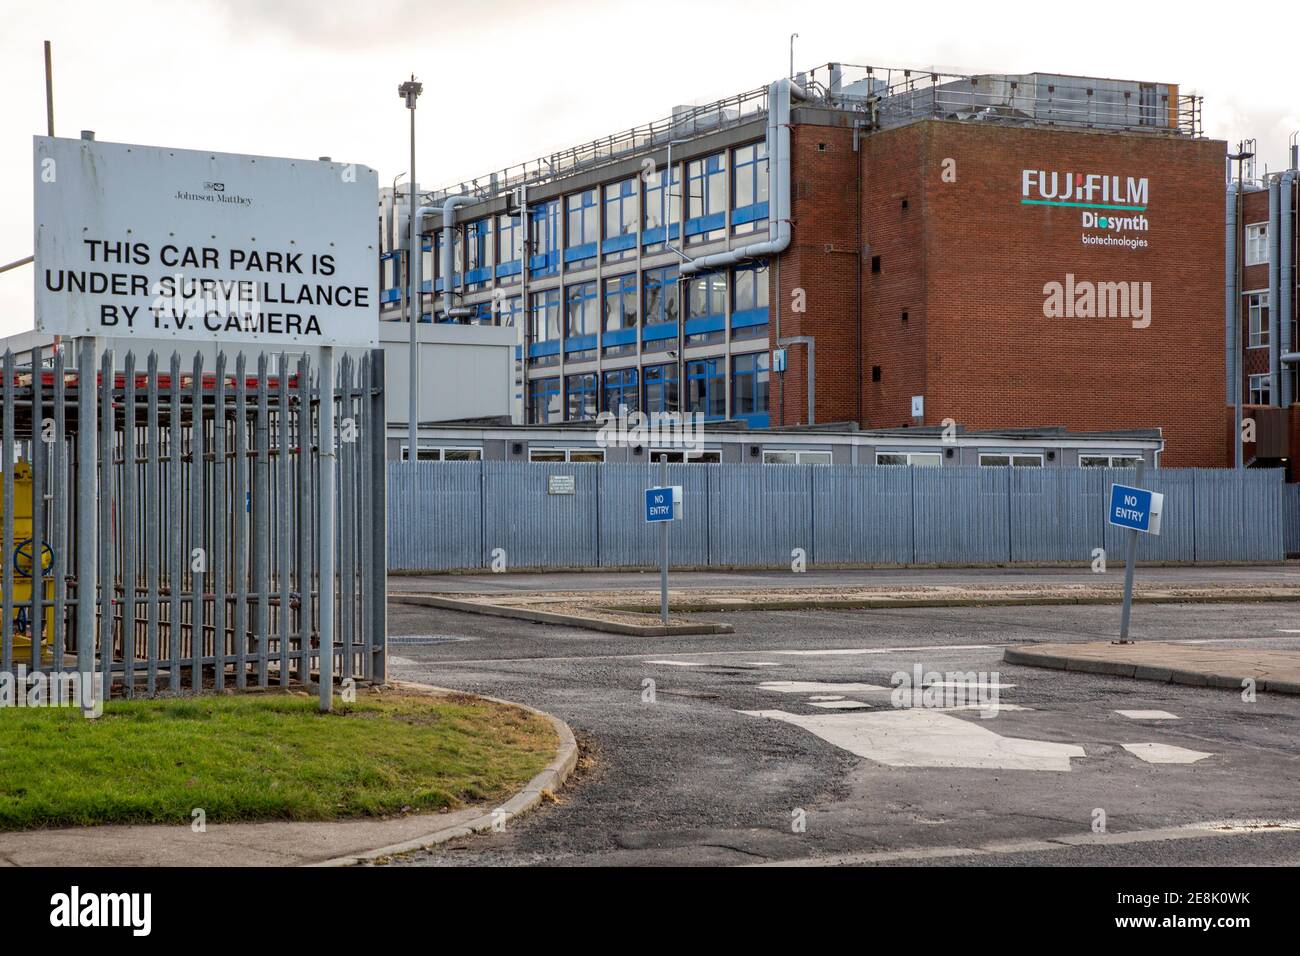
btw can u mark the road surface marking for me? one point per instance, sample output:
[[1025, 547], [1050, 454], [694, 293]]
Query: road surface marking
[[840, 704], [761, 663], [1165, 753], [844, 651], [917, 737], [826, 697], [1147, 714], [678, 663], [971, 684], [814, 687]]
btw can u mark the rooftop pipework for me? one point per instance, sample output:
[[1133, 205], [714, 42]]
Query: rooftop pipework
[[887, 97]]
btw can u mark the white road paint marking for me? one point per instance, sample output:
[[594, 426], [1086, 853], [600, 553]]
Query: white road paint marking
[[840, 704], [1165, 753], [761, 663], [826, 697], [814, 687], [1000, 707], [845, 651], [971, 684], [926, 738], [1287, 630], [678, 663], [1147, 714]]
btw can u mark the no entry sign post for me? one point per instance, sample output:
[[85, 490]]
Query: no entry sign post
[[1138, 510], [663, 504]]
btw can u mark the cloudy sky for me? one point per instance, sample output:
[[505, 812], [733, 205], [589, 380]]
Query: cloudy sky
[[507, 80]]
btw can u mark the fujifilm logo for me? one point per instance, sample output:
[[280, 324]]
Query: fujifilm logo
[[76, 909], [1040, 187]]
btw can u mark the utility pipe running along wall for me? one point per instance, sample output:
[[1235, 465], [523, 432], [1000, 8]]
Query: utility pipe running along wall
[[1232, 305], [1274, 313], [1285, 307], [780, 95]]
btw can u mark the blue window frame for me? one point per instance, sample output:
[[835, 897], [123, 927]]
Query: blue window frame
[[706, 198], [653, 209], [580, 394], [660, 291], [706, 388], [706, 308], [544, 327], [510, 247], [510, 309], [620, 221], [749, 205], [478, 254], [749, 301], [582, 227], [544, 236], [660, 387], [621, 391], [544, 401], [580, 320], [620, 316], [749, 388]]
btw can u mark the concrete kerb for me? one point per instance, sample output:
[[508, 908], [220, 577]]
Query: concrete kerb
[[548, 780], [553, 617], [1059, 658]]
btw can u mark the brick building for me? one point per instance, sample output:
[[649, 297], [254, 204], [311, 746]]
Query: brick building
[[868, 246]]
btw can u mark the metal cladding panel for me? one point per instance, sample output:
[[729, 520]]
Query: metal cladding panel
[[1236, 514], [532, 526], [961, 515], [1056, 513], [438, 521], [759, 515], [628, 540], [1177, 538], [862, 515], [1291, 518]]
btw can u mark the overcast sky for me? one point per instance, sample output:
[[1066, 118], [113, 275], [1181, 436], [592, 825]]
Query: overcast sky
[[507, 80]]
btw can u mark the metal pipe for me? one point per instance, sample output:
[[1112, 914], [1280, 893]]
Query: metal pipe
[[1285, 307], [1230, 306], [779, 96], [812, 370], [415, 302], [327, 517], [1274, 313], [448, 251]]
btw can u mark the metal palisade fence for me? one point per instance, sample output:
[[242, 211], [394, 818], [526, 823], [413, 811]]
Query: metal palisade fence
[[162, 521], [452, 515]]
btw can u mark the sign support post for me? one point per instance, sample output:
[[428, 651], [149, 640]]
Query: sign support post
[[663, 548], [326, 543], [1129, 562]]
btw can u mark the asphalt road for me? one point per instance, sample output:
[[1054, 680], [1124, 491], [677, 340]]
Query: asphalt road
[[713, 768]]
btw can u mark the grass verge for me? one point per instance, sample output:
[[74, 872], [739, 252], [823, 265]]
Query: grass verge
[[263, 757]]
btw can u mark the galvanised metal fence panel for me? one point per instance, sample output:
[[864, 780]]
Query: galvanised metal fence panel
[[862, 515], [758, 515], [1177, 538], [1056, 514], [148, 528], [534, 527], [628, 540], [1237, 514], [437, 523], [1291, 518], [961, 515]]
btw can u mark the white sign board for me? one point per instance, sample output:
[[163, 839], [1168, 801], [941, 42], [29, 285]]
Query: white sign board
[[176, 243], [560, 485]]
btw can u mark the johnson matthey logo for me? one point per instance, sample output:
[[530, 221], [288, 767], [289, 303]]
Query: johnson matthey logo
[[1112, 206]]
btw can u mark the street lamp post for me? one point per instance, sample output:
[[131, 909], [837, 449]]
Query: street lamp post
[[410, 91], [1239, 450]]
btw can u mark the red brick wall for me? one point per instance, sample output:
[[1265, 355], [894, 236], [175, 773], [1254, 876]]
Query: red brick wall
[[968, 263]]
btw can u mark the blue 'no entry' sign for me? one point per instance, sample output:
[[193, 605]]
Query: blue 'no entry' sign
[[659, 504], [1135, 508]]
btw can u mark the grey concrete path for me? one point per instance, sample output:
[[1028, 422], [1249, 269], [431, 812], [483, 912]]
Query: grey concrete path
[[1198, 665]]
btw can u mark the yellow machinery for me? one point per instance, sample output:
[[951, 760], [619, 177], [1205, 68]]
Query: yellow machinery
[[20, 566]]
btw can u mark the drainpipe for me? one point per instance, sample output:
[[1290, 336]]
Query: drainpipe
[[812, 369], [1286, 280], [1274, 313], [449, 253], [1231, 302]]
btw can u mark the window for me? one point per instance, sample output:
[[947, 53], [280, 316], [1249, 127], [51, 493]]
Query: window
[[621, 391], [660, 388], [923, 459], [510, 309], [620, 311], [620, 221], [749, 388], [1108, 461], [1257, 244], [706, 388], [1257, 310], [580, 395], [478, 254], [749, 301], [544, 236], [544, 326], [566, 454], [998, 460], [706, 308], [660, 290], [582, 227], [706, 198], [782, 457], [1260, 391], [749, 199], [580, 321], [656, 204], [510, 247], [544, 401], [678, 457], [424, 454]]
